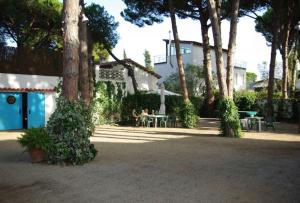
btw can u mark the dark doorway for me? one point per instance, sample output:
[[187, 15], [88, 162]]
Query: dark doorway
[[24, 110]]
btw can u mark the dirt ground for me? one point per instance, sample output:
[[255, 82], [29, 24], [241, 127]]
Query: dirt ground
[[162, 165]]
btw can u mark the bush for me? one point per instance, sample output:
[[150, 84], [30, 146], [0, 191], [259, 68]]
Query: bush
[[229, 116], [107, 102], [70, 127], [188, 115], [245, 100], [36, 138]]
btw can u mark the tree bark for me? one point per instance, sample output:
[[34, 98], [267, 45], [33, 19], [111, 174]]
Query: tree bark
[[285, 46], [285, 69], [207, 68], [218, 47], [276, 29], [70, 49], [84, 85], [232, 45], [178, 54], [293, 72]]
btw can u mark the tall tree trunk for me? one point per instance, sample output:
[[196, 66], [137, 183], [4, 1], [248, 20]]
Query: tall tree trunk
[[285, 43], [273, 63], [92, 73], [293, 72], [70, 49], [232, 45], [285, 68], [207, 68], [178, 54], [218, 47], [83, 63]]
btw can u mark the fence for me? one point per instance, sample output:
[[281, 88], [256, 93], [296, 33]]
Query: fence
[[28, 61]]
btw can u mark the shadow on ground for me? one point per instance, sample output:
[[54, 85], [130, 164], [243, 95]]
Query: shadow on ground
[[159, 165]]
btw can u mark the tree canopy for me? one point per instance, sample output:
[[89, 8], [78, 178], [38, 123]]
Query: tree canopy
[[102, 26], [31, 23]]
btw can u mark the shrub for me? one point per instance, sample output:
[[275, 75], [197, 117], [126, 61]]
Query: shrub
[[107, 102], [36, 138], [188, 115], [245, 100], [230, 122], [70, 127]]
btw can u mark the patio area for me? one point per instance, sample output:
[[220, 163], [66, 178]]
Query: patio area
[[162, 165]]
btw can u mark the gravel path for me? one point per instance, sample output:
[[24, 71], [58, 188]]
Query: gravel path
[[161, 165]]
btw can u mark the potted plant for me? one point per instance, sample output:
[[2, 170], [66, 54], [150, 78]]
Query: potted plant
[[37, 142]]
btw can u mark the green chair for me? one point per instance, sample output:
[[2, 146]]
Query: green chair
[[150, 121], [269, 122], [163, 121], [172, 121]]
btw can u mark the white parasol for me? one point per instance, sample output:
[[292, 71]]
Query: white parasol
[[162, 109]]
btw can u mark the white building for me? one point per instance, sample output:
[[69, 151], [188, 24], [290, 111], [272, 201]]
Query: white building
[[26, 100], [116, 72], [28, 93], [192, 53]]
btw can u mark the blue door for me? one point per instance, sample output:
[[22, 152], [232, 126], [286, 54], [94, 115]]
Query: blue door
[[11, 111], [35, 110]]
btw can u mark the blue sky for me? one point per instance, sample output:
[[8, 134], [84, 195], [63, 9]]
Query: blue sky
[[251, 46]]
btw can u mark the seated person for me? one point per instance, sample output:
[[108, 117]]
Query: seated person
[[144, 112], [144, 117], [135, 117]]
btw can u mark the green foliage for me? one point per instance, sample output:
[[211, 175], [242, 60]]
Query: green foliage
[[31, 23], [147, 59], [70, 127], [229, 117], [99, 52], [36, 138], [264, 94], [174, 104], [102, 26], [188, 115], [194, 81], [124, 54], [245, 100], [250, 78], [107, 102]]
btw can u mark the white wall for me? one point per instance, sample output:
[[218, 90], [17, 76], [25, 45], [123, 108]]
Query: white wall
[[28, 81], [196, 58], [239, 79], [50, 104], [35, 82]]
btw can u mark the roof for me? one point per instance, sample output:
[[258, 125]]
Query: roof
[[166, 92], [8, 89], [130, 63], [263, 83], [194, 43]]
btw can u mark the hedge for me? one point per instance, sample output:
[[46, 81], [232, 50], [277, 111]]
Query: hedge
[[152, 102]]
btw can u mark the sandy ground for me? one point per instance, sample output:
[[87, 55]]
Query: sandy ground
[[162, 165]]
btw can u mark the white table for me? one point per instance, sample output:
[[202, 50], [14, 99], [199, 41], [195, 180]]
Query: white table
[[255, 118], [156, 118]]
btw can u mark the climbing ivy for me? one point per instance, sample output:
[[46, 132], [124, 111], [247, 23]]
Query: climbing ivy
[[229, 117]]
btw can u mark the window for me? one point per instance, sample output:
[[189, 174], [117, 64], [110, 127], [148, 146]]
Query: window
[[183, 50]]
